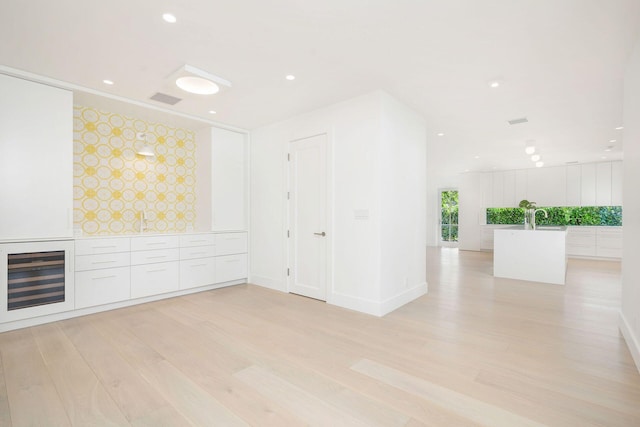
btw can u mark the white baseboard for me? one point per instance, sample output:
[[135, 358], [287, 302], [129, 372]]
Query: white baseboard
[[268, 282], [632, 341], [403, 298], [377, 308]]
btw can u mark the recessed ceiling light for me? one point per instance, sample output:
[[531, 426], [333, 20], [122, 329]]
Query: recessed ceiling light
[[539, 164], [476, 157], [612, 140], [198, 85], [290, 77], [212, 112], [494, 84], [440, 134], [466, 170], [535, 157], [530, 149], [169, 17], [604, 157], [107, 82], [620, 128], [609, 148]]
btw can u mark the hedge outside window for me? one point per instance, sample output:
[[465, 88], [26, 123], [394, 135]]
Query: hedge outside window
[[583, 215]]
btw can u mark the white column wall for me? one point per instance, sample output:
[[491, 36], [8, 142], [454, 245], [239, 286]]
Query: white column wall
[[630, 313], [355, 132]]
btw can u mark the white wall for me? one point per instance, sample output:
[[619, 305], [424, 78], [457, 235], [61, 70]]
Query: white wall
[[356, 133], [403, 156], [630, 313]]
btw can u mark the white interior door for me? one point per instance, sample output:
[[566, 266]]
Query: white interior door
[[308, 217]]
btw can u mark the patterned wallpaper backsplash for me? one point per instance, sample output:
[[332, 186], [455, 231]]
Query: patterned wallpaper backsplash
[[113, 184]]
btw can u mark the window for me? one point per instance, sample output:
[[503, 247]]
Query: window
[[449, 215]]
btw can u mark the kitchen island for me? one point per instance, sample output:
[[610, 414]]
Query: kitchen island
[[536, 255]]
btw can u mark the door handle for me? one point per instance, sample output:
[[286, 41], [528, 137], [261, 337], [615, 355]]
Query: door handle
[[320, 234]]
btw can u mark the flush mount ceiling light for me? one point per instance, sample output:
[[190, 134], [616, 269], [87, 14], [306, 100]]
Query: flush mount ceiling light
[[169, 17], [194, 80], [530, 149], [539, 164], [494, 84], [440, 134], [212, 112], [290, 77], [107, 82], [620, 128], [197, 85], [535, 157], [146, 149], [612, 140]]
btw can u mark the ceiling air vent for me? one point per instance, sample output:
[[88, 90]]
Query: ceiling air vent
[[165, 99], [518, 121]]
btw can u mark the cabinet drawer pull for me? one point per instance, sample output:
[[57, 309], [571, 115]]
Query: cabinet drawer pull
[[157, 257], [104, 277], [102, 262], [198, 241], [156, 243], [232, 260], [198, 253], [199, 265], [156, 270], [103, 247]]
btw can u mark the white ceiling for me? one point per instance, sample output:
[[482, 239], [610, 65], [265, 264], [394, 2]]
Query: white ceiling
[[561, 63]]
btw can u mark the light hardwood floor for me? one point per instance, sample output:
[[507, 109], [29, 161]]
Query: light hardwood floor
[[474, 351]]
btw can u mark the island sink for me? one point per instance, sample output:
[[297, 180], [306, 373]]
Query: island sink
[[536, 255]]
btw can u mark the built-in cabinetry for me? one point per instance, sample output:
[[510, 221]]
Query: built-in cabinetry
[[582, 241], [114, 269], [589, 184], [36, 160]]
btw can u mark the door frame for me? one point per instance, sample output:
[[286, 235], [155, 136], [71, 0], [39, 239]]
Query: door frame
[[289, 163], [441, 242]]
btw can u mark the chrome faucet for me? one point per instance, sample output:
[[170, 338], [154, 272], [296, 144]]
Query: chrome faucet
[[143, 221], [533, 219]]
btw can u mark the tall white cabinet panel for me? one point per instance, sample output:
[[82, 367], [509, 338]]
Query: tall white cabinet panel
[[547, 186], [521, 186], [36, 160], [603, 184], [498, 190], [588, 184], [509, 187], [487, 189], [228, 180], [574, 188], [616, 183]]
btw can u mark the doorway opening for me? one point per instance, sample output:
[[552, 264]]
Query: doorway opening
[[449, 217]]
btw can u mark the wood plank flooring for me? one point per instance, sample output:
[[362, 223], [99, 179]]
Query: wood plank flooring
[[475, 350]]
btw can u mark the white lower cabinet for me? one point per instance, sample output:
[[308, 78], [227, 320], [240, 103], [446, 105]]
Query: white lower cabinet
[[231, 267], [197, 272], [154, 279], [609, 242], [581, 241], [105, 286]]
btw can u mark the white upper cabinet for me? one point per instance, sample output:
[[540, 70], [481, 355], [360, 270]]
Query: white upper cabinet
[[228, 180], [616, 183], [521, 186], [588, 184], [547, 186], [487, 189], [36, 160], [509, 187], [498, 190], [603, 184], [574, 188]]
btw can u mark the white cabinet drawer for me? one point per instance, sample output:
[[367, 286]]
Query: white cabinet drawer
[[102, 246], [231, 267], [102, 286], [581, 250], [197, 240], [197, 252], [161, 255], [610, 242], [93, 262], [610, 232], [154, 279], [197, 272], [609, 252], [154, 242], [231, 243]]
